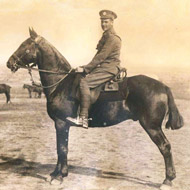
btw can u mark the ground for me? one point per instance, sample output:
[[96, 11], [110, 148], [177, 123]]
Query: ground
[[121, 157]]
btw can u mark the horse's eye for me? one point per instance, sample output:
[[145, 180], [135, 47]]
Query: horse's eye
[[27, 51]]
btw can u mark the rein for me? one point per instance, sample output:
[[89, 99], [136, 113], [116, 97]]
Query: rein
[[45, 71], [40, 70]]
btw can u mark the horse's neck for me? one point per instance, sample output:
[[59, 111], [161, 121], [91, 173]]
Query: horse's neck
[[50, 59]]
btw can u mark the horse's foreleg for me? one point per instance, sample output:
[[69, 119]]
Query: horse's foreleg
[[7, 94], [62, 132], [30, 94], [164, 146]]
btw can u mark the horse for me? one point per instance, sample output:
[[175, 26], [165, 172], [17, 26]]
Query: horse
[[145, 100], [4, 88], [33, 88]]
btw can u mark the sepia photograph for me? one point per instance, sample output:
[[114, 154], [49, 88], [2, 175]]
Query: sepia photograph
[[94, 95]]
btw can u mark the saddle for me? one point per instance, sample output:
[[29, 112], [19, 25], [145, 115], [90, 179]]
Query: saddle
[[112, 86]]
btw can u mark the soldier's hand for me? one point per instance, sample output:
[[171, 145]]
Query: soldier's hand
[[79, 70]]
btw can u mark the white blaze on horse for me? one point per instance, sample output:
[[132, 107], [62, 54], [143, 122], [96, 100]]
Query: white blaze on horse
[[148, 101]]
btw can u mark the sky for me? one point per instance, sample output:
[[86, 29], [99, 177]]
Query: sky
[[155, 33]]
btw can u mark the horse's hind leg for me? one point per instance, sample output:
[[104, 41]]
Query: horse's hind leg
[[164, 146]]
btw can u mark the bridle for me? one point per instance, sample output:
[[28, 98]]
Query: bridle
[[22, 65], [19, 60]]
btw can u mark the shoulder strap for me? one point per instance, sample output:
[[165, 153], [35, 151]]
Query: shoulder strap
[[117, 36]]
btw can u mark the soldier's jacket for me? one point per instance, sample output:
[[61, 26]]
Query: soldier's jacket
[[107, 57]]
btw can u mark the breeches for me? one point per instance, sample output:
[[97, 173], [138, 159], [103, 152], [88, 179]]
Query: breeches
[[97, 78], [92, 80]]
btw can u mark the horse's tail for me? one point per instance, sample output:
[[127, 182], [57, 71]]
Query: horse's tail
[[175, 120]]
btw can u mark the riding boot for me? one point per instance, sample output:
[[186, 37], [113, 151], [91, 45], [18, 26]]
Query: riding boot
[[82, 119], [84, 98]]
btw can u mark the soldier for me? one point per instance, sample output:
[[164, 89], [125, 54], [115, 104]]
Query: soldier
[[103, 67]]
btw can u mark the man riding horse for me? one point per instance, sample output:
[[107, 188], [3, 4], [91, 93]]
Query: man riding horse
[[103, 67], [147, 100]]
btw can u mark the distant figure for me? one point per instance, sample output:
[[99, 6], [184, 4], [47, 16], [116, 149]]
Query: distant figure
[[33, 88], [4, 88], [37, 84], [103, 67]]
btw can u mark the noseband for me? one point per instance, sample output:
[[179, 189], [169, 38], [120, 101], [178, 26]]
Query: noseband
[[19, 60]]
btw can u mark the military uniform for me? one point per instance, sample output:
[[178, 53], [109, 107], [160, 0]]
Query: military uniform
[[105, 63], [103, 67]]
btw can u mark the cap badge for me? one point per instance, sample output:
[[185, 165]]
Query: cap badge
[[104, 13]]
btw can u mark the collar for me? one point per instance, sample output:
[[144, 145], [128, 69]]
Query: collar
[[110, 31]]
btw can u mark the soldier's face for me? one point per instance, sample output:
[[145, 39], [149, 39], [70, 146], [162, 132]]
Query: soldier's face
[[106, 24]]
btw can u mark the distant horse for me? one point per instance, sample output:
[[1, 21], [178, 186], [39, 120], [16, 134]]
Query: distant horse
[[148, 101], [4, 88], [31, 88]]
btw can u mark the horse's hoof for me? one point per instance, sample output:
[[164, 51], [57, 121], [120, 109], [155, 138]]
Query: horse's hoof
[[48, 179], [54, 180], [165, 187]]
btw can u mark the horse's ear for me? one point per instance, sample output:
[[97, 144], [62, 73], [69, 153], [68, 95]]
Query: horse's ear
[[33, 34]]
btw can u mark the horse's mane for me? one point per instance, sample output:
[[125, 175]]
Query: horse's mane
[[61, 64], [61, 61]]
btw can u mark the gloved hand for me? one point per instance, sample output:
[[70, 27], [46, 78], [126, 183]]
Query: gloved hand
[[79, 70]]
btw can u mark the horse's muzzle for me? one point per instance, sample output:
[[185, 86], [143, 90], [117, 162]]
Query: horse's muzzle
[[12, 66]]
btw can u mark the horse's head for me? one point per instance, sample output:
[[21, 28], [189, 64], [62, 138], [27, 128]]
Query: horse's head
[[25, 54]]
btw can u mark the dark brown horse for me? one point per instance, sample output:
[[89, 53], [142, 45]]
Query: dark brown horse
[[36, 89], [4, 88], [148, 101]]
